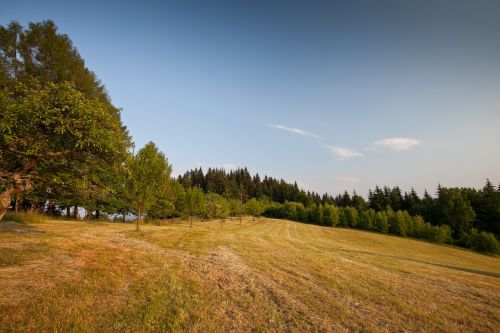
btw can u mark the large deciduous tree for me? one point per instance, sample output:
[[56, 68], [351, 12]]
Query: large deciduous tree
[[53, 133], [455, 211], [59, 132]]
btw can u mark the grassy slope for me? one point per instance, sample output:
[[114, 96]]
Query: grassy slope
[[267, 275]]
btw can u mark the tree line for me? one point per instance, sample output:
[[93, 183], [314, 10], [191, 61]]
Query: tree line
[[64, 147]]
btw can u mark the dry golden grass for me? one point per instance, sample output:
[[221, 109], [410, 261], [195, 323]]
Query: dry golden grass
[[266, 275]]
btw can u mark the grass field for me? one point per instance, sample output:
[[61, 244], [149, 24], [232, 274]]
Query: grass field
[[266, 275]]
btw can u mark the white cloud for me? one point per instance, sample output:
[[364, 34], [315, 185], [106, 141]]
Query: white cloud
[[295, 130], [350, 180], [344, 153], [229, 166], [397, 144]]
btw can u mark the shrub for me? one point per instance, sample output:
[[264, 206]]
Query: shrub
[[330, 215], [381, 224], [367, 219], [290, 210], [484, 242], [315, 214], [398, 223], [441, 234], [349, 217]]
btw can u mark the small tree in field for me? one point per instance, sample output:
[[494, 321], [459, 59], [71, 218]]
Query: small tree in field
[[194, 202], [254, 208], [216, 206], [223, 209], [149, 171], [235, 207], [211, 206]]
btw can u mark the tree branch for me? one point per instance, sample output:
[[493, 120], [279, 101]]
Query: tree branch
[[63, 153]]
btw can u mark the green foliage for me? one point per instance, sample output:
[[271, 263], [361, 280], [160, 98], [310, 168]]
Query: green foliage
[[216, 206], [424, 230], [367, 219], [178, 197], [290, 210], [381, 224], [162, 209], [484, 242], [194, 201], [455, 211], [53, 138], [59, 132], [350, 217], [149, 174], [235, 207], [240, 182], [330, 215], [398, 223], [315, 214], [253, 207]]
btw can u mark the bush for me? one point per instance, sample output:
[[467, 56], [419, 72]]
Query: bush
[[349, 217], [274, 211], [399, 223], [330, 215], [367, 219], [484, 242], [441, 234], [315, 214], [381, 224]]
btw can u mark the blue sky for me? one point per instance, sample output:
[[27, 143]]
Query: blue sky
[[331, 95]]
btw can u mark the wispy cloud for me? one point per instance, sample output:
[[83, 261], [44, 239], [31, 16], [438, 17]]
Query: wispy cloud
[[229, 166], [295, 130], [350, 180], [397, 144], [344, 153]]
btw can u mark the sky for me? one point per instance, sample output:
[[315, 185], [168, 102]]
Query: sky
[[334, 95]]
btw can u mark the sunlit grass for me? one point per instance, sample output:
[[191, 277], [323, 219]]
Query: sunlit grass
[[262, 275]]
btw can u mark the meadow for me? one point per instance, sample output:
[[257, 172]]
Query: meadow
[[263, 275]]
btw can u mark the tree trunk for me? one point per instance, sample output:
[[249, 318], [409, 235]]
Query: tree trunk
[[241, 205], [32, 207], [41, 207], [5, 199], [75, 212], [68, 211], [19, 186], [17, 203], [138, 220], [97, 214], [50, 208]]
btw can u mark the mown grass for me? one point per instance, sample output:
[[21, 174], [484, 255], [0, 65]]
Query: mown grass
[[265, 275]]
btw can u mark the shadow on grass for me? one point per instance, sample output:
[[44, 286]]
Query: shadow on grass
[[17, 228], [456, 268]]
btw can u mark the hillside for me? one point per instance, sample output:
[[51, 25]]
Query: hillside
[[265, 275]]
